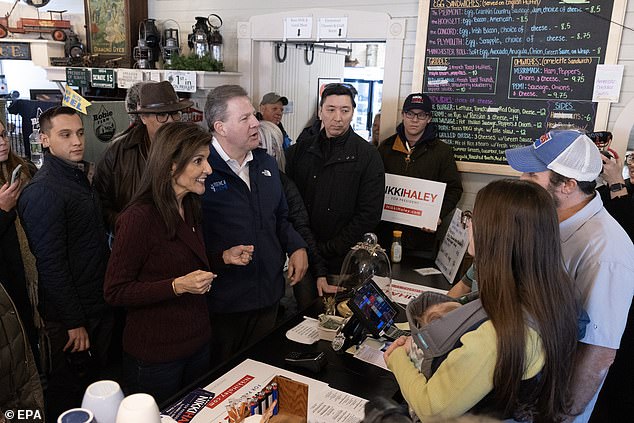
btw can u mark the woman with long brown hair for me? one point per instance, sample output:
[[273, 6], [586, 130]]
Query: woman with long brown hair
[[19, 277], [518, 363], [159, 270], [17, 265]]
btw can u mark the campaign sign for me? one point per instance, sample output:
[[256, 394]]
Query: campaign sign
[[412, 201], [453, 247]]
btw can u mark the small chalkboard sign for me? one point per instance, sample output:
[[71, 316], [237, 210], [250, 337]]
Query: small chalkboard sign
[[503, 72]]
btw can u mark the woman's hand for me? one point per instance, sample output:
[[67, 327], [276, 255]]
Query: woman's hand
[[240, 255], [398, 343], [196, 282], [9, 195]]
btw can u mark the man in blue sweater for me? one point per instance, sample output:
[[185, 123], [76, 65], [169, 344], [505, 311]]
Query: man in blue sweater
[[244, 204]]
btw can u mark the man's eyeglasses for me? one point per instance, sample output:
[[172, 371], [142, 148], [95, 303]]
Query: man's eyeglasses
[[163, 117], [420, 116], [345, 85], [465, 218]]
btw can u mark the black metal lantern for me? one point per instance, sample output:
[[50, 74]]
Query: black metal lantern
[[198, 40], [150, 33], [142, 54], [215, 39], [171, 47]]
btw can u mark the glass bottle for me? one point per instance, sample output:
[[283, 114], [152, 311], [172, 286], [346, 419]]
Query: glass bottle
[[36, 148], [397, 250]]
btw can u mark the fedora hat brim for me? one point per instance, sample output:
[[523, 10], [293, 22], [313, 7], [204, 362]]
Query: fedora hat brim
[[163, 107]]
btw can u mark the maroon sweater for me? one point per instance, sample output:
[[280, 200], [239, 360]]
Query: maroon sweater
[[160, 326]]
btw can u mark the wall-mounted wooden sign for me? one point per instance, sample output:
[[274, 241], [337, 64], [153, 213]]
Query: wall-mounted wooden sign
[[16, 51]]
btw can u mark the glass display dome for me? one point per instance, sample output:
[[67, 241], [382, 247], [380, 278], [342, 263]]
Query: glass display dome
[[366, 260]]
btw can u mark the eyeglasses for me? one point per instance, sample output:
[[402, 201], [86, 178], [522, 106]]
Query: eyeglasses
[[4, 134], [419, 116], [465, 218], [163, 117], [351, 88]]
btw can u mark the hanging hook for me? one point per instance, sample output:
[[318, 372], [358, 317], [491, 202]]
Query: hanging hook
[[279, 58], [310, 47]]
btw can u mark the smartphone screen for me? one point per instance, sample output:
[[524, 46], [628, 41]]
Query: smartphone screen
[[16, 174]]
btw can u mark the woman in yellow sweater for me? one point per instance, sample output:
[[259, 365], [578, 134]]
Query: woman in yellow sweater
[[506, 367]]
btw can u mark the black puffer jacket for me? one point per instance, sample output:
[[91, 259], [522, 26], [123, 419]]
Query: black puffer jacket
[[342, 190], [62, 219], [298, 216]]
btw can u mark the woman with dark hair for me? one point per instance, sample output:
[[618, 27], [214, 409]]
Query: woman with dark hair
[[159, 270], [517, 364], [17, 264]]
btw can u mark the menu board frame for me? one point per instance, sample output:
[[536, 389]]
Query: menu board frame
[[610, 57]]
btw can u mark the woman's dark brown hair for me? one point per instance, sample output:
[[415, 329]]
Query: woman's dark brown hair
[[175, 144], [6, 167], [521, 274]]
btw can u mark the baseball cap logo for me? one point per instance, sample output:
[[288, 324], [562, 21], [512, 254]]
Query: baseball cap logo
[[418, 99], [542, 140]]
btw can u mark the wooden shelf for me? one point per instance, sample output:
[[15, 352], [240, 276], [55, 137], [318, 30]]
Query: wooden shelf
[[204, 80]]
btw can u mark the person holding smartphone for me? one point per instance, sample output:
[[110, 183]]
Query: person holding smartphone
[[17, 266]]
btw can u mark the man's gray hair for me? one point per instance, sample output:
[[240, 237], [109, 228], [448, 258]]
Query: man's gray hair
[[132, 101], [217, 99]]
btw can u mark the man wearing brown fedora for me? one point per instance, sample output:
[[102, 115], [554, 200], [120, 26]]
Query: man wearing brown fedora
[[120, 169]]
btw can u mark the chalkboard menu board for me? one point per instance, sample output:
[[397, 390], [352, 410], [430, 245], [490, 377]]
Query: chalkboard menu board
[[503, 72]]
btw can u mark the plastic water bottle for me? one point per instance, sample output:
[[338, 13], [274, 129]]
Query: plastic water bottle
[[397, 249], [36, 148]]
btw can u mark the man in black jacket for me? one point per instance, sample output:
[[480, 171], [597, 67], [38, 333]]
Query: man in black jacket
[[417, 151], [62, 219], [341, 179]]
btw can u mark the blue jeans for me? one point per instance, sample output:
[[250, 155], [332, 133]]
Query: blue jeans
[[163, 380]]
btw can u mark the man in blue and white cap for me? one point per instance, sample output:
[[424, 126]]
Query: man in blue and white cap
[[597, 251]]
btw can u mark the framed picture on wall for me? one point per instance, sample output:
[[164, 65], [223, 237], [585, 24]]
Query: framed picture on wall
[[112, 27]]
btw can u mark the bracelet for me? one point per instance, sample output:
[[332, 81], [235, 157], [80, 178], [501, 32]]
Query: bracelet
[[174, 288]]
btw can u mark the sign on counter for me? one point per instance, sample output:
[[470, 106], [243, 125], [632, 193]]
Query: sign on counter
[[412, 201], [452, 248]]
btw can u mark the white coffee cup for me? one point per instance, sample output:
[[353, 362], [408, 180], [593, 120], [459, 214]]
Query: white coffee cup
[[138, 408], [76, 415], [103, 399]]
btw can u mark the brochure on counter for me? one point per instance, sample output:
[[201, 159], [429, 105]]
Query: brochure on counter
[[208, 404]]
